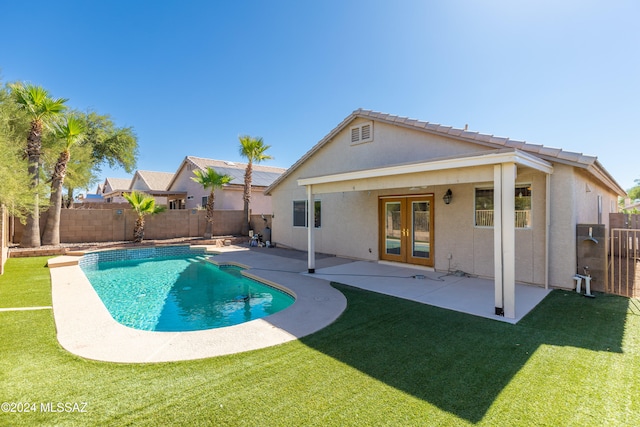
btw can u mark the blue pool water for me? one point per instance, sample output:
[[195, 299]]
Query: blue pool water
[[180, 293]]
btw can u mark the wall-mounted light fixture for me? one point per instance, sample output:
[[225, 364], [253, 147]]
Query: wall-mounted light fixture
[[447, 197]]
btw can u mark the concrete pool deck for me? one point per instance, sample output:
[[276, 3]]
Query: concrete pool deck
[[85, 327]]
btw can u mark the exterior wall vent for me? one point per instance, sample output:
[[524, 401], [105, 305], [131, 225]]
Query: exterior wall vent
[[362, 133]]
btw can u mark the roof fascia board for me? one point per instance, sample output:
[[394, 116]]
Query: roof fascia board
[[606, 179], [175, 175], [328, 137], [514, 156]]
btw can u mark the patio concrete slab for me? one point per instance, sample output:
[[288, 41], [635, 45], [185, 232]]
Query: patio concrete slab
[[464, 294]]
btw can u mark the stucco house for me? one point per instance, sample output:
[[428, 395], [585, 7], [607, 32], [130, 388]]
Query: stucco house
[[230, 196], [155, 184], [113, 188], [631, 205], [393, 189]]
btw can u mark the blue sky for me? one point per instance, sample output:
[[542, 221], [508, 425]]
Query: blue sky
[[191, 76]]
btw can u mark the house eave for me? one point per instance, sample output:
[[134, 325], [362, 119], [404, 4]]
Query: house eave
[[495, 157]]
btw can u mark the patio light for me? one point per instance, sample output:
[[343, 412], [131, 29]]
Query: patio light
[[447, 197]]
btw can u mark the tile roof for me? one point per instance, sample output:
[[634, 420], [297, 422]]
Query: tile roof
[[262, 176], [590, 163], [157, 181], [118, 184]]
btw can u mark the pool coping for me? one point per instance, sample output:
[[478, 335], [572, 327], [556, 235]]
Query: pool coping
[[86, 329]]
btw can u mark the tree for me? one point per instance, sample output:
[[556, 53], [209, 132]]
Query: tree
[[80, 173], [111, 144], [210, 179], [71, 131], [41, 108], [634, 193], [15, 184], [143, 205], [253, 149], [103, 143]]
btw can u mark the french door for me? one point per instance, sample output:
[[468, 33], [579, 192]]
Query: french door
[[406, 229]]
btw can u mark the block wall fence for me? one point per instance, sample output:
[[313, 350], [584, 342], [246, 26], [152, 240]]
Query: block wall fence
[[116, 224]]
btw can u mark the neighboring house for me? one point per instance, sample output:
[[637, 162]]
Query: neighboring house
[[155, 184], [230, 196], [388, 188], [632, 205], [90, 198], [113, 188]]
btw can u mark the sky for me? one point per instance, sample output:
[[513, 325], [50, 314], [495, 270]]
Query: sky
[[192, 76]]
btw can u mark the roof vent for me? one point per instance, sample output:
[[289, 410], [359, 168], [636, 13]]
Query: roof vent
[[361, 133], [229, 163]]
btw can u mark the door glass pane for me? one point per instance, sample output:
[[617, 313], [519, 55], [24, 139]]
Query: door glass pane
[[420, 238], [392, 227]]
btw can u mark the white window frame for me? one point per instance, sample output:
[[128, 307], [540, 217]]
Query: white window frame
[[529, 220]]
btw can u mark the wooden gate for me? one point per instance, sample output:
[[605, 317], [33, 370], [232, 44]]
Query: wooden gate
[[624, 255]]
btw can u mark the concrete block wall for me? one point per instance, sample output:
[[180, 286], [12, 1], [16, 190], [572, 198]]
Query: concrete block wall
[[107, 225]]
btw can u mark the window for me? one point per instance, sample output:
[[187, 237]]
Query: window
[[300, 213], [204, 200], [362, 133], [484, 206]]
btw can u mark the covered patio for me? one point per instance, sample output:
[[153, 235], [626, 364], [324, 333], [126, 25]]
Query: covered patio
[[500, 167]]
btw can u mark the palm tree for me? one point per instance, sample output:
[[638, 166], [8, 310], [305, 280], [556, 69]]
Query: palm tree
[[71, 132], [210, 179], [253, 149], [143, 205], [40, 108]]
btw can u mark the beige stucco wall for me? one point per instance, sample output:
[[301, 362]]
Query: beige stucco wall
[[574, 198], [345, 230], [350, 218], [353, 232], [227, 198], [138, 184]]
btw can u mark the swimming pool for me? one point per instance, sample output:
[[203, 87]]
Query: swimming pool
[[177, 289]]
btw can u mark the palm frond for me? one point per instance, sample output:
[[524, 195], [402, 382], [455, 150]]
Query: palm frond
[[36, 100], [210, 179], [143, 204], [253, 149]]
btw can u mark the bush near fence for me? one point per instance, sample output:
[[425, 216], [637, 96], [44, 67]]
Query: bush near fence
[[116, 224]]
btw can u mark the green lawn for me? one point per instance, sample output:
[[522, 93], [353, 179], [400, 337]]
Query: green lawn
[[386, 361]]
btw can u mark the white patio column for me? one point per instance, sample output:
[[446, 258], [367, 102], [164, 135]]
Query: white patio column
[[504, 179], [311, 221]]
